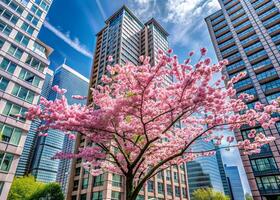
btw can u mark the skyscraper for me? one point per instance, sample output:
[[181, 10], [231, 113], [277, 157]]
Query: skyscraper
[[32, 136], [38, 151], [23, 62], [125, 38], [233, 177], [204, 172], [247, 33]]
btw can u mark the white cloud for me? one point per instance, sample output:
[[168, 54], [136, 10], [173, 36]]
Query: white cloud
[[74, 43], [101, 9]]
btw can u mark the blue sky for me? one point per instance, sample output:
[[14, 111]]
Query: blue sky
[[71, 26]]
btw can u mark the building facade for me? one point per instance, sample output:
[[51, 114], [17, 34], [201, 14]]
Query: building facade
[[204, 172], [28, 151], [38, 150], [247, 33], [233, 177], [23, 64], [125, 38]]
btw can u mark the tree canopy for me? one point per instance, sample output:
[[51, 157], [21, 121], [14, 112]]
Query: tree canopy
[[144, 119], [26, 188], [208, 194]]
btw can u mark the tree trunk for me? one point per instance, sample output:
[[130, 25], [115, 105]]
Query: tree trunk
[[131, 194]]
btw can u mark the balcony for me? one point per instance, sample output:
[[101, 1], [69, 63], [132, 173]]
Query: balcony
[[267, 76], [274, 30], [234, 57], [261, 4], [257, 56], [222, 31], [262, 66], [243, 26], [219, 25], [253, 48], [271, 87], [239, 20], [230, 4], [234, 8], [235, 67], [249, 41], [272, 21], [276, 39], [237, 14], [272, 12], [267, 172], [217, 20], [246, 33], [226, 44], [270, 191], [224, 37], [229, 51]]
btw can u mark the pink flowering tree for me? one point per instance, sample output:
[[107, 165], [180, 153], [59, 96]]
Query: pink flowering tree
[[132, 119]]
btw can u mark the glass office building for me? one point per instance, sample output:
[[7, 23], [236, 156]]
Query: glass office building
[[23, 64], [233, 177], [125, 38], [247, 33], [204, 172], [38, 151]]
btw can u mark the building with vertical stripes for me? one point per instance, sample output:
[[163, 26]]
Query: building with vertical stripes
[[23, 64], [247, 33]]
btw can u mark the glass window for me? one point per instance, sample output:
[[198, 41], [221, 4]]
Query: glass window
[[150, 186], [33, 62], [8, 65], [16, 7], [168, 175], [14, 111], [117, 180], [85, 183], [169, 189], [5, 28], [98, 180], [10, 134], [264, 164], [22, 39], [6, 160], [140, 197], [97, 195], [36, 10], [29, 77], [3, 83], [83, 197], [115, 195], [268, 183], [23, 93], [160, 188], [32, 19], [14, 51], [8, 15], [26, 27], [176, 180], [43, 4], [75, 185], [177, 191]]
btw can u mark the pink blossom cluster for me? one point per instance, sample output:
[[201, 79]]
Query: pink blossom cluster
[[133, 117]]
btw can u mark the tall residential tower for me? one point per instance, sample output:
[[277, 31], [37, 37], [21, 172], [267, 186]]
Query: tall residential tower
[[247, 33], [125, 38], [23, 63]]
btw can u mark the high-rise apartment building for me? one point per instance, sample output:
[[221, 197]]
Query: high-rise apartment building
[[247, 33], [38, 150], [125, 38], [23, 62], [234, 180]]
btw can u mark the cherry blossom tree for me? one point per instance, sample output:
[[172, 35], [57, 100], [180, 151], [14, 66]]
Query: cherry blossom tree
[[141, 123]]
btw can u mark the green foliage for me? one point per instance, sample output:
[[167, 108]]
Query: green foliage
[[208, 194], [248, 197], [26, 188], [51, 191], [23, 187]]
